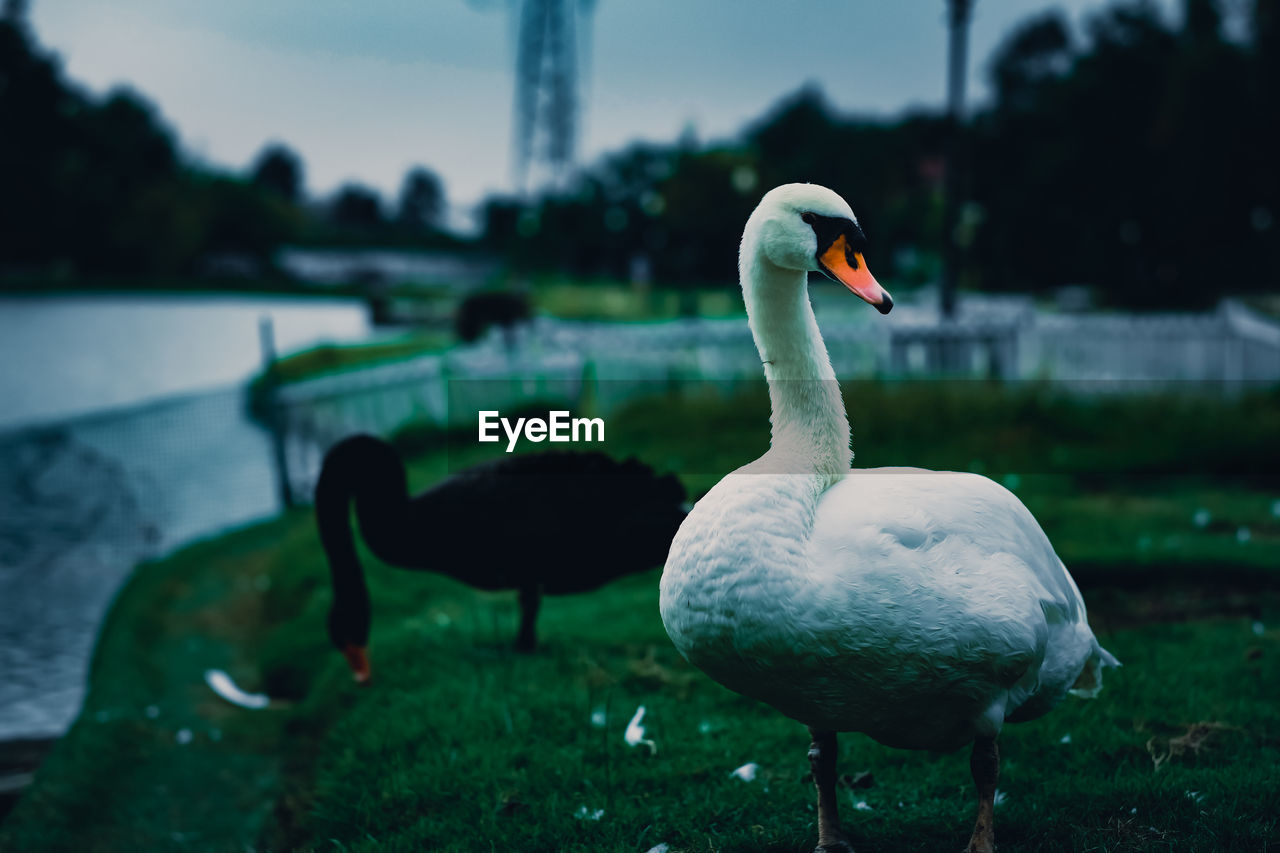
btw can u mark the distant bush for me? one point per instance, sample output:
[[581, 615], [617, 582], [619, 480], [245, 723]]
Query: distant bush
[[481, 311]]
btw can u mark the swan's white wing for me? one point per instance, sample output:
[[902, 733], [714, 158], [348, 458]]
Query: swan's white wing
[[921, 608], [944, 519], [952, 568]]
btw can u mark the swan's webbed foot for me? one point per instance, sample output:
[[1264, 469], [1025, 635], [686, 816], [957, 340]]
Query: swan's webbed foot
[[840, 846]]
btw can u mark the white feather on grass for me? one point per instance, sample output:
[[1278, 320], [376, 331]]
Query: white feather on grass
[[634, 735], [222, 684]]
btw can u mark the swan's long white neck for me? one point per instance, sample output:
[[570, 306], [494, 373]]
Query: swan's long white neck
[[810, 430]]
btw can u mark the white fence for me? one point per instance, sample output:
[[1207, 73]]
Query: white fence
[[1231, 345], [561, 360]]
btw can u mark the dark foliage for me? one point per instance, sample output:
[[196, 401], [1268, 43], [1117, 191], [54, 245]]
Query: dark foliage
[[1134, 155], [1139, 163], [98, 186], [482, 311], [422, 201], [1137, 157], [356, 207], [279, 170]]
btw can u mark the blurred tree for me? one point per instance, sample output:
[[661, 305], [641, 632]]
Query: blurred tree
[[1079, 151], [422, 200], [797, 136], [479, 312], [500, 219], [38, 115], [356, 207], [1265, 32], [99, 186], [238, 218], [1150, 146], [1202, 20], [279, 170], [124, 131], [124, 189], [1036, 51], [14, 11], [704, 210], [1265, 54]]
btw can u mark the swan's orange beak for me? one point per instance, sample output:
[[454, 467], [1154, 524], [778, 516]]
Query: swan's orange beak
[[358, 660], [856, 277]]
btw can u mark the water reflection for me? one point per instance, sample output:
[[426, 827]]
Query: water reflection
[[74, 354]]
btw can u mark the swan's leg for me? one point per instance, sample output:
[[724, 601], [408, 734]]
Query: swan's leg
[[984, 762], [530, 601], [822, 761]]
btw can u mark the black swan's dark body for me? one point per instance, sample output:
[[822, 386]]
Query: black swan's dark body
[[557, 522]]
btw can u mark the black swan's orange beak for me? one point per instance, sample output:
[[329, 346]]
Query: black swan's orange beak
[[358, 659], [856, 277]]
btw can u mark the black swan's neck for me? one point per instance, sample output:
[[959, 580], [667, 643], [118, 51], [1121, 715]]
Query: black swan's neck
[[368, 472]]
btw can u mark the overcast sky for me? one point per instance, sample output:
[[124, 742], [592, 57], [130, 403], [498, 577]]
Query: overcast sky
[[363, 90]]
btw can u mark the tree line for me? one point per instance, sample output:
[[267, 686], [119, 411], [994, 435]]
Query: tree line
[[1133, 154], [99, 187]]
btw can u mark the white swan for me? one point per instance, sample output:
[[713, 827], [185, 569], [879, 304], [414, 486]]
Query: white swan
[[922, 608]]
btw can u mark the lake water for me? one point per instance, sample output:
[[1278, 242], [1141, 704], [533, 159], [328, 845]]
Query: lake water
[[123, 434], [67, 355]]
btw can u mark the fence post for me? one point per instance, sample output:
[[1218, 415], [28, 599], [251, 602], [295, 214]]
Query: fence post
[[275, 422], [588, 396]]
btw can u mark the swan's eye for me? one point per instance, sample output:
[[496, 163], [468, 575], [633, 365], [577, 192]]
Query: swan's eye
[[809, 217]]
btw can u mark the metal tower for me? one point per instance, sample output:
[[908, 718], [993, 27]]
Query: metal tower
[[547, 104]]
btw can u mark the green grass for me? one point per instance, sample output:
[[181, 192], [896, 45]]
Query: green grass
[[461, 744], [620, 301], [119, 779], [335, 358], [469, 745]]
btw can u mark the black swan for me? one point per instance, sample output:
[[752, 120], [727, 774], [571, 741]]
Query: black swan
[[554, 523]]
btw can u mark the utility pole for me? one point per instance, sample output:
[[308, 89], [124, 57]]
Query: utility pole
[[959, 12]]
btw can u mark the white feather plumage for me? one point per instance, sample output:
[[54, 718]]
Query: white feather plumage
[[922, 608]]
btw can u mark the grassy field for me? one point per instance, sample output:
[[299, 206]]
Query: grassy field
[[620, 301], [463, 745], [567, 299], [336, 358]]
